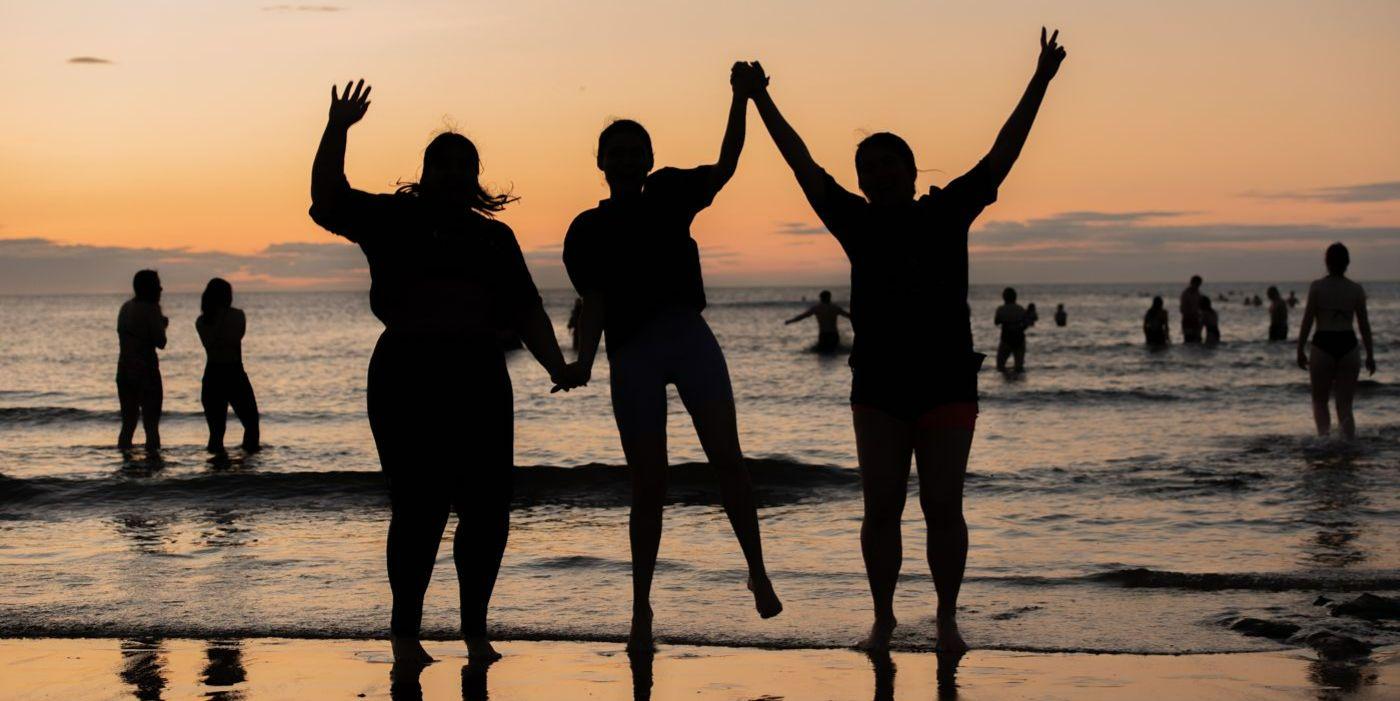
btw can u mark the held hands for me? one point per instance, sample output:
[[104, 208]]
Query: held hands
[[348, 107], [747, 78], [570, 376], [1051, 54]]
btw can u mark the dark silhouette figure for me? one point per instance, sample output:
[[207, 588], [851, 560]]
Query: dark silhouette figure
[[221, 326], [1191, 311], [445, 277], [1278, 316], [1292, 299], [1335, 359], [1061, 316], [1013, 321], [1210, 320], [143, 668], [826, 312], [573, 322], [140, 331], [1156, 326], [1032, 315], [914, 371], [224, 668], [1257, 302], [633, 261]]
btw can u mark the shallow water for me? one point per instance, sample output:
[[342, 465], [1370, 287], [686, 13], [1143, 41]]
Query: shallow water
[[1118, 499]]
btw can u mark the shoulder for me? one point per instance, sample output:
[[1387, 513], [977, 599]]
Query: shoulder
[[495, 229], [583, 225]]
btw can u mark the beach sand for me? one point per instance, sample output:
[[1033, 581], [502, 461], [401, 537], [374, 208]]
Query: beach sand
[[270, 668]]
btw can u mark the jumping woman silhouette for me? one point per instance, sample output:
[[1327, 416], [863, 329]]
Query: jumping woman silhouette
[[914, 372], [445, 276], [634, 263]]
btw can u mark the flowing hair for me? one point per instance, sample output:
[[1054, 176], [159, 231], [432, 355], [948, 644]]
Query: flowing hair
[[442, 147], [217, 298]]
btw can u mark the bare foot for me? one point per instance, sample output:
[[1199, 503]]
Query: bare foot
[[479, 650], [409, 651], [880, 634], [640, 640], [949, 639], [764, 598]]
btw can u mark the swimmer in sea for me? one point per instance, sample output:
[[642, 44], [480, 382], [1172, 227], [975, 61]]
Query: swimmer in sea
[[1061, 316], [826, 312]]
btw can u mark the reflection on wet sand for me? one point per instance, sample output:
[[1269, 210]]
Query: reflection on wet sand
[[143, 667], [641, 663], [223, 669], [1333, 495]]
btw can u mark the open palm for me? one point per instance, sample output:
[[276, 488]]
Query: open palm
[[349, 106]]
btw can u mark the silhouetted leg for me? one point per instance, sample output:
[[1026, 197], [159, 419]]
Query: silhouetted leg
[[1003, 352], [245, 406], [483, 516], [884, 446], [415, 530], [1322, 368], [639, 406], [129, 395], [717, 427], [215, 403], [1020, 352], [1344, 389], [152, 399], [942, 459]]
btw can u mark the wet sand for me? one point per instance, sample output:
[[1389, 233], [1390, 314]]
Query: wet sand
[[253, 670]]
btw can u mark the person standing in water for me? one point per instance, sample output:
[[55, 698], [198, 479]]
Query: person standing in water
[[633, 261], [1156, 325], [1292, 299], [140, 332], [445, 276], [1211, 321], [1334, 362], [221, 327], [1061, 316], [828, 335], [914, 370], [1278, 316], [1013, 322], [1191, 311]]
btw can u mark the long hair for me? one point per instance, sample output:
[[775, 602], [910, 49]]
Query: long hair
[[443, 147], [217, 298]]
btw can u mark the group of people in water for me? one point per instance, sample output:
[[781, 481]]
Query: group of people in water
[[1198, 316], [141, 327], [446, 275]]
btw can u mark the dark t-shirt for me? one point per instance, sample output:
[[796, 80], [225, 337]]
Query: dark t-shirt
[[638, 252], [909, 308], [433, 267]]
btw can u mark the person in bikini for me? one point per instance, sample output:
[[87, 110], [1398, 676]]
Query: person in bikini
[[1333, 359]]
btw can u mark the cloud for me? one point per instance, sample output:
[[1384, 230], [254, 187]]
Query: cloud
[[1154, 245], [1343, 194], [302, 8], [89, 60], [800, 228], [43, 266]]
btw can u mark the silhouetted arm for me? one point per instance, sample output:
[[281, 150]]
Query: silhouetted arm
[[843, 312], [1363, 324], [1013, 134], [810, 176], [734, 128], [537, 333], [1306, 329], [158, 324], [590, 333], [328, 170], [801, 316]]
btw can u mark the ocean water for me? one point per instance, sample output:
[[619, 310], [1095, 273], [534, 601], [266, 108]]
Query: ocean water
[[1118, 499]]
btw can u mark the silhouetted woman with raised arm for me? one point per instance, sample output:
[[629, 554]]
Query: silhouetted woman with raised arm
[[221, 327], [445, 276], [638, 270], [914, 372], [1334, 362], [140, 331]]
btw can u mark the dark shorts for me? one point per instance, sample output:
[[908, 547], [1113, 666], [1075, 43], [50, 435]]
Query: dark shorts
[[947, 389], [828, 342], [676, 348]]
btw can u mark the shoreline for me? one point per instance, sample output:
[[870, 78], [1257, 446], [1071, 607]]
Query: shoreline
[[281, 668]]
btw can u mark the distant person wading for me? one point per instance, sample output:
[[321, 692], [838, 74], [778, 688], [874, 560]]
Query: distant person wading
[[446, 277], [221, 327], [826, 313], [140, 332]]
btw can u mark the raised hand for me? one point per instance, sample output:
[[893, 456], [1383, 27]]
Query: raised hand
[[747, 78], [349, 106], [1051, 54]]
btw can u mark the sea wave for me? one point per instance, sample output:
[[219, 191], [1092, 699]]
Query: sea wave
[[1145, 578]]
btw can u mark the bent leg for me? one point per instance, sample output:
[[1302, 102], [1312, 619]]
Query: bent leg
[[1344, 387], [884, 446], [1321, 370], [942, 458]]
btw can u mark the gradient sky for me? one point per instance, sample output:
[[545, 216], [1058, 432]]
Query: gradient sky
[[1232, 138]]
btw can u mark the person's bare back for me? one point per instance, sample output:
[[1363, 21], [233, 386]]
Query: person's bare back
[[1335, 300]]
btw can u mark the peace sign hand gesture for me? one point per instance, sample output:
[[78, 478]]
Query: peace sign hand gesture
[[348, 107], [1051, 54]]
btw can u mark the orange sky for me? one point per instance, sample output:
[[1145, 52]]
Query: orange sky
[[199, 132]]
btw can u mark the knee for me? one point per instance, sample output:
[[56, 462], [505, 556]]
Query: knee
[[943, 514], [882, 517]]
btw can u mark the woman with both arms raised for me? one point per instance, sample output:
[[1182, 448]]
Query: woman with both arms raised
[[914, 372], [637, 269]]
